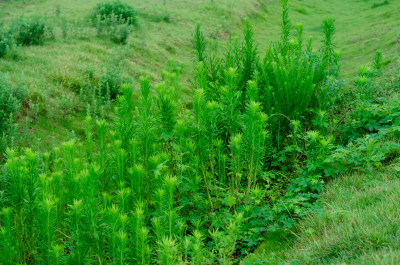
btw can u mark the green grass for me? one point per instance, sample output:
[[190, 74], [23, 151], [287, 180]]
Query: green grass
[[360, 224], [360, 29]]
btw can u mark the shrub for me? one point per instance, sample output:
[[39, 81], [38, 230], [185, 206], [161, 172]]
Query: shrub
[[120, 34], [122, 11], [31, 31], [11, 97], [6, 42], [112, 29], [110, 82]]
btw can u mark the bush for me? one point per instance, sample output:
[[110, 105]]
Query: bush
[[31, 31], [114, 20], [106, 10]]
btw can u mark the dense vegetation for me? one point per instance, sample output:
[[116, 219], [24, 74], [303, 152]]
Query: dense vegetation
[[199, 181], [63, 87]]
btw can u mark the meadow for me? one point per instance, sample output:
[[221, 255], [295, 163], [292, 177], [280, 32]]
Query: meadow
[[199, 132]]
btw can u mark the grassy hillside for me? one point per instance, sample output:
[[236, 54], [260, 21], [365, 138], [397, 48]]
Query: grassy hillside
[[359, 225], [54, 71], [362, 27]]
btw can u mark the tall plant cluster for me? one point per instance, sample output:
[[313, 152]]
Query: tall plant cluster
[[287, 81], [123, 196], [171, 184]]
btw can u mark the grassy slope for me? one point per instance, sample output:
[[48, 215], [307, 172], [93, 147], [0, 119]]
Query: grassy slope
[[361, 30], [45, 70], [360, 225]]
